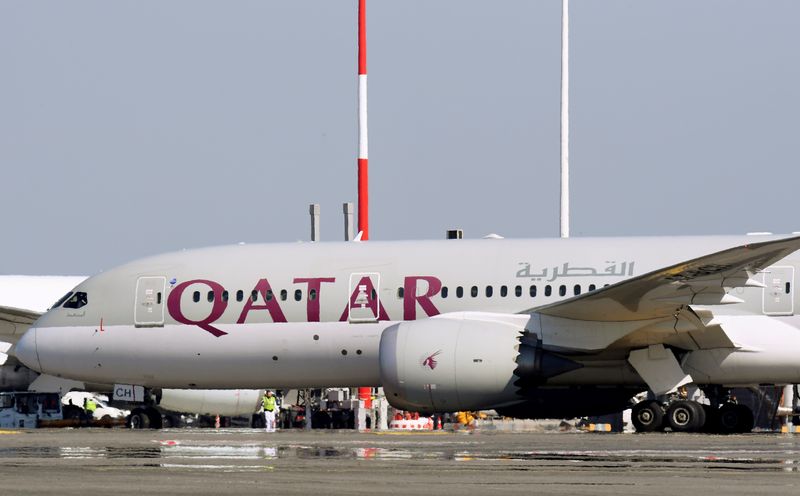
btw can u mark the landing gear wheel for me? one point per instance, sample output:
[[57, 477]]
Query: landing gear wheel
[[138, 419], [735, 419], [155, 417], [647, 416], [685, 416]]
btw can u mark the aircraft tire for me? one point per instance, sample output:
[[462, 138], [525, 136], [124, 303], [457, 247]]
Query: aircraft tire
[[138, 419], [155, 417], [647, 416], [685, 416], [712, 419], [735, 419]]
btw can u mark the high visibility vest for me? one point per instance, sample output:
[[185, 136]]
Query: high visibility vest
[[91, 406], [268, 402]]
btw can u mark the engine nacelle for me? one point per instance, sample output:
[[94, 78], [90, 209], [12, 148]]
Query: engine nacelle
[[16, 377], [467, 361]]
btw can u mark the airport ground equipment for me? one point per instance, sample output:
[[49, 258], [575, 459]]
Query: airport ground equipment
[[165, 408]]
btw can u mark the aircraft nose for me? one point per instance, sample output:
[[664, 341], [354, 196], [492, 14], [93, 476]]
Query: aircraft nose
[[25, 350]]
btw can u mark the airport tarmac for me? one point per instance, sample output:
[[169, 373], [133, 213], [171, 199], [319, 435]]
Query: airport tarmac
[[245, 461]]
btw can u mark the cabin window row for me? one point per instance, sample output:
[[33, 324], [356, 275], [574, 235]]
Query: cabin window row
[[283, 295], [489, 291]]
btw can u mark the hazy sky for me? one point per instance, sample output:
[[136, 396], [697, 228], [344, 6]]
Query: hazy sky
[[133, 128]]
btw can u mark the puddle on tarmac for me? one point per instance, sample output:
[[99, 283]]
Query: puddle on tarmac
[[173, 454]]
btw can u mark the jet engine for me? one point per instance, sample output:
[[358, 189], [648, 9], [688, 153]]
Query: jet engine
[[467, 361]]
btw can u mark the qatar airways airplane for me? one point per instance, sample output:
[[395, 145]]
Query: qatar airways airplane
[[531, 328]]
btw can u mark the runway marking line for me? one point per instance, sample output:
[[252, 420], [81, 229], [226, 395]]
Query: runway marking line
[[3, 431]]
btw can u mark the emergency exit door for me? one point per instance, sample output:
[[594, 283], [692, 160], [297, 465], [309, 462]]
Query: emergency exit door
[[779, 291], [149, 309], [364, 300]]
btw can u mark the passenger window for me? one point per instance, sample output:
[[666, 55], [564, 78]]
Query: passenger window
[[592, 287], [474, 291], [788, 287], [62, 300], [196, 296], [489, 291], [284, 295], [503, 291], [254, 295], [518, 291], [269, 295], [374, 295], [562, 290], [224, 296], [459, 292], [77, 300], [444, 291], [312, 295], [399, 293], [577, 289], [533, 291], [548, 290], [239, 295], [210, 296], [298, 294]]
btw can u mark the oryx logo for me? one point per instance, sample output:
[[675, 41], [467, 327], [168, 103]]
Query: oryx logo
[[430, 361]]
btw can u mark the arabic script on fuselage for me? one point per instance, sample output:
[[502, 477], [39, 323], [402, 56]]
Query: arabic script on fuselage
[[550, 274]]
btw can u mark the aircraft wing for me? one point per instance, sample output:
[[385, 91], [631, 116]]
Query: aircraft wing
[[14, 322], [664, 292], [669, 307]]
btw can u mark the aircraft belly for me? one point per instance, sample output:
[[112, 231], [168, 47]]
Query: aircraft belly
[[249, 356]]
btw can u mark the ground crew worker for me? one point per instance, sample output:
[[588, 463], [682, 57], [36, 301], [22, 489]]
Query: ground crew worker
[[270, 406], [90, 406]]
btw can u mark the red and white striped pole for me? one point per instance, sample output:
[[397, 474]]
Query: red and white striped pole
[[364, 393], [363, 169]]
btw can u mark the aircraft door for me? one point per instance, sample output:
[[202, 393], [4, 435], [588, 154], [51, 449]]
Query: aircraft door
[[779, 291], [149, 307], [365, 303]]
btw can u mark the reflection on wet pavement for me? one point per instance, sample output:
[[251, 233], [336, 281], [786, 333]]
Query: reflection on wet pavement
[[258, 456]]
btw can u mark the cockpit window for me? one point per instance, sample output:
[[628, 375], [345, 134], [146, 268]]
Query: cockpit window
[[77, 300], [61, 300]]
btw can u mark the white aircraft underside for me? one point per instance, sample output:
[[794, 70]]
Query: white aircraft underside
[[440, 325]]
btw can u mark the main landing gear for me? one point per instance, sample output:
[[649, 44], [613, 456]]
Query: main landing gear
[[682, 415]]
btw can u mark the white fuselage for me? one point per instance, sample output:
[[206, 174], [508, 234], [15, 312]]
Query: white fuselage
[[189, 320]]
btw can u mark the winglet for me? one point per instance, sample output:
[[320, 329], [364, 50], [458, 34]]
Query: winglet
[[357, 239]]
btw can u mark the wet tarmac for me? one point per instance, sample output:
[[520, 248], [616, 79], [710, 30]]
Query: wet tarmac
[[243, 461]]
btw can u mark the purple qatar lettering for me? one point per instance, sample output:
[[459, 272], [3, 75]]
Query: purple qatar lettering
[[313, 304], [174, 306], [410, 298], [270, 304], [372, 304]]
